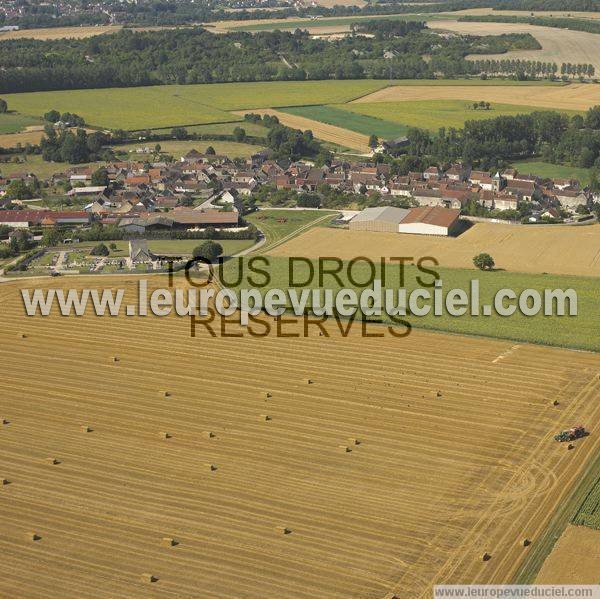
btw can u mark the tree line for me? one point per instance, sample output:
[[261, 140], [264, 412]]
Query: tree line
[[493, 143], [559, 22]]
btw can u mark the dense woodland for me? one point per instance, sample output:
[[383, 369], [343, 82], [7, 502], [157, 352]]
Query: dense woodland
[[548, 135], [400, 50]]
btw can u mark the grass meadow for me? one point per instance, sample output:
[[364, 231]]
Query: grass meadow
[[281, 225], [33, 163], [547, 169], [223, 128], [12, 122], [333, 115], [178, 148], [581, 331], [166, 106]]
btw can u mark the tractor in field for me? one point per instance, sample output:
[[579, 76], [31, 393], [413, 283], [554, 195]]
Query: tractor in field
[[575, 432]]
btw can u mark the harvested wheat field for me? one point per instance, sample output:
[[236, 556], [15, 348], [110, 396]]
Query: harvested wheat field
[[11, 140], [558, 250], [337, 135], [573, 96], [558, 45], [575, 558], [142, 462], [54, 33]]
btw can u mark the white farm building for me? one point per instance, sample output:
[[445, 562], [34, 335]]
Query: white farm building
[[426, 220]]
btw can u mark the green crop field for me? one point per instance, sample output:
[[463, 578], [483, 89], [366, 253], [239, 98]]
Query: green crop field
[[12, 122], [334, 115], [588, 513], [546, 169], [172, 105], [582, 331], [433, 114]]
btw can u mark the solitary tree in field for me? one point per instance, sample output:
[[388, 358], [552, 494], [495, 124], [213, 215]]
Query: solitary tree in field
[[3, 106], [484, 261], [373, 142], [209, 250]]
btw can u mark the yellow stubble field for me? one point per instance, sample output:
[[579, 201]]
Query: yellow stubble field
[[575, 558], [561, 250], [398, 467], [574, 96]]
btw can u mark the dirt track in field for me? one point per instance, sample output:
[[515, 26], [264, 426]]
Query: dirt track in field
[[558, 45], [553, 249], [433, 484], [575, 96], [337, 135], [575, 559]]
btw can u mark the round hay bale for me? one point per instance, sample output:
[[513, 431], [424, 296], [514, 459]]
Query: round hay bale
[[211, 467], [164, 435], [115, 359], [53, 461], [526, 542], [556, 402], [148, 578], [4, 421], [438, 394], [309, 382], [4, 482], [165, 394], [32, 536], [353, 441], [208, 434], [344, 448], [22, 336], [570, 446], [169, 542], [265, 417], [86, 429], [486, 557], [284, 530], [268, 395]]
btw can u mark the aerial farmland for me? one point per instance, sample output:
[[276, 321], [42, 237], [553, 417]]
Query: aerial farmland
[[227, 476], [204, 207]]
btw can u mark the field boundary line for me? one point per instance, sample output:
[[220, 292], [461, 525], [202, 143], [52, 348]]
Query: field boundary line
[[559, 521]]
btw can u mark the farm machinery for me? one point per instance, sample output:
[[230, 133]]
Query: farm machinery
[[575, 432]]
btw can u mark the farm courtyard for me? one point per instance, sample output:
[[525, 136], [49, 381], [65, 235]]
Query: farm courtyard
[[400, 466]]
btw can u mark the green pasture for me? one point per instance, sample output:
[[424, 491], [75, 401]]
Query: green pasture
[[334, 115], [13, 122], [549, 170], [165, 106]]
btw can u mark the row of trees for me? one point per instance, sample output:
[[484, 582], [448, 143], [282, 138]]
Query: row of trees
[[577, 70], [588, 25]]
